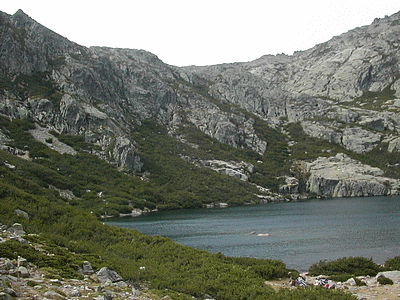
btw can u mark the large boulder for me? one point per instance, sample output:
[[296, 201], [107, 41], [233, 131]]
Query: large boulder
[[21, 213], [6, 264], [393, 275], [394, 145], [105, 275], [87, 268], [53, 295], [360, 140], [17, 229]]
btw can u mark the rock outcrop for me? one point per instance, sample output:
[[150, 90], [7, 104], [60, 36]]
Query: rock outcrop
[[240, 170], [341, 176], [102, 92], [105, 275], [355, 139]]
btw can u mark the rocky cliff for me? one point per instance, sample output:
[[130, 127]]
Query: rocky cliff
[[341, 176], [343, 92]]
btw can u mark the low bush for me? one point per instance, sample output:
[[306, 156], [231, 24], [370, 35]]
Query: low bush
[[64, 262], [358, 266], [359, 282], [393, 264], [384, 280]]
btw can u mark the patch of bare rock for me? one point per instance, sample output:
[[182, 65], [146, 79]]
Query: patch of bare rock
[[342, 176], [43, 135]]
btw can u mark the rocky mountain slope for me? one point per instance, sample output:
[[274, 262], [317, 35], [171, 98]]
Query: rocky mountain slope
[[283, 111]]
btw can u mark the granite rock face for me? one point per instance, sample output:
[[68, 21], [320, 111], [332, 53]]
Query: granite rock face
[[103, 92], [341, 176], [343, 91], [358, 66]]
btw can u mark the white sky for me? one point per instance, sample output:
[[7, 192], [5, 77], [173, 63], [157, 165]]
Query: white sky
[[206, 32]]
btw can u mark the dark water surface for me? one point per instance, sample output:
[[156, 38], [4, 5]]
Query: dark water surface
[[300, 233]]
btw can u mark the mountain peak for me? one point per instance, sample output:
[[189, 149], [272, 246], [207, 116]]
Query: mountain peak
[[20, 12], [21, 15], [21, 19]]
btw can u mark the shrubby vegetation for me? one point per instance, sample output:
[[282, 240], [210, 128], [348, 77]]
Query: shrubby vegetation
[[384, 280], [181, 184], [62, 260], [373, 100], [267, 167], [275, 161], [68, 226], [351, 266], [168, 265], [393, 263], [309, 148], [381, 158]]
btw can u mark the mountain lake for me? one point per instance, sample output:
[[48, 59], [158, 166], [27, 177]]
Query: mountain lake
[[298, 233]]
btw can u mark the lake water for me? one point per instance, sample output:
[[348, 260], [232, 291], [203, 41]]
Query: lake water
[[300, 233]]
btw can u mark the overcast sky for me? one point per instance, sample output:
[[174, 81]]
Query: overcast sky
[[206, 32]]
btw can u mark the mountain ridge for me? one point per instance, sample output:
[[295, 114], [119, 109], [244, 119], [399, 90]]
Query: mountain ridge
[[342, 92]]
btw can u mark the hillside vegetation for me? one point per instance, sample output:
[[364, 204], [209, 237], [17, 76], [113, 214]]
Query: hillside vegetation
[[72, 225]]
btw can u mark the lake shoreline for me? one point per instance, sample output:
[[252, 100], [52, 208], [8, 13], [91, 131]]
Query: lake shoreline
[[298, 233]]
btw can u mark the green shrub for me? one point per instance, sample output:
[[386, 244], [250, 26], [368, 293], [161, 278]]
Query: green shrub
[[36, 84], [393, 263], [359, 282], [63, 261], [77, 142], [357, 266], [384, 280], [312, 293], [340, 277]]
